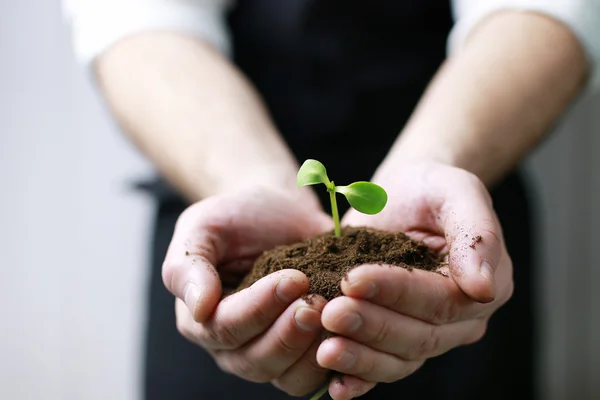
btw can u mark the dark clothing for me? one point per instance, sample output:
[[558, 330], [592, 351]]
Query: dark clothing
[[498, 367], [340, 79]]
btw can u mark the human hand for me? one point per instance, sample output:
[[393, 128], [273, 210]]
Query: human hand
[[262, 333], [390, 320]]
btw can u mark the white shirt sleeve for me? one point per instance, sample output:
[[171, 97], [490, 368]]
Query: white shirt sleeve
[[581, 16], [98, 24]]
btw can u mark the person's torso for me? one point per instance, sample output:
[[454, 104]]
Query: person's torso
[[340, 77]]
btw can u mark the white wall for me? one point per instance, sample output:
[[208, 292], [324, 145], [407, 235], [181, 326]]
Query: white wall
[[566, 169], [72, 237], [71, 233]]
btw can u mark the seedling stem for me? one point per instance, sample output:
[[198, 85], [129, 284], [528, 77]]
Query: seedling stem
[[321, 392], [334, 210]]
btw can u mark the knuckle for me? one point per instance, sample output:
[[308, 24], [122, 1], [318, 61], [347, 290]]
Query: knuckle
[[390, 376], [474, 181], [406, 369], [191, 212], [284, 346], [445, 311], [206, 338], [221, 363], [400, 293], [426, 345], [258, 313], [223, 337], [182, 326], [169, 272], [508, 292], [184, 330], [382, 334], [248, 370], [211, 340], [488, 232], [478, 333], [401, 370], [366, 366], [314, 369], [393, 376]]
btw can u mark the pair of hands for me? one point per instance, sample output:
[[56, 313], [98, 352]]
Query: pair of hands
[[389, 320]]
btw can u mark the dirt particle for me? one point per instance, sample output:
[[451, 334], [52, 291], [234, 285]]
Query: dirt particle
[[187, 253], [309, 299], [212, 271], [338, 379], [475, 240]]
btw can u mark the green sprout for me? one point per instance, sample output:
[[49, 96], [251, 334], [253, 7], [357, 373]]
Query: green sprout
[[321, 392], [365, 197]]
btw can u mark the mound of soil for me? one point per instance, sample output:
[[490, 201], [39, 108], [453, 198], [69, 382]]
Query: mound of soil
[[326, 259]]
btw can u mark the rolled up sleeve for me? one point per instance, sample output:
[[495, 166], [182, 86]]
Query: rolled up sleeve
[[99, 24], [581, 16]]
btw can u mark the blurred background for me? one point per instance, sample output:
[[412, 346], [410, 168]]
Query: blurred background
[[73, 234]]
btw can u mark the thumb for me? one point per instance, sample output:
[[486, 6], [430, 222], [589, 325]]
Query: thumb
[[188, 271], [474, 235]]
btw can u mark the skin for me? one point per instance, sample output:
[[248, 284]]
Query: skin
[[264, 333], [186, 121], [487, 107], [391, 320]]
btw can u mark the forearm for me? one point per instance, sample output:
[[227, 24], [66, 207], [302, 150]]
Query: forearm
[[194, 115], [493, 101]]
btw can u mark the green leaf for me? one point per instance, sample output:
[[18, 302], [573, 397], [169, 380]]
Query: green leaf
[[312, 172], [366, 197]]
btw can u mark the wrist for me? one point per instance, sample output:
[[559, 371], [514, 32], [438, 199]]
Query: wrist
[[459, 143], [410, 149]]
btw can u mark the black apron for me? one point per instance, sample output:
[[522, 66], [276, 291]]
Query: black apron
[[341, 79]]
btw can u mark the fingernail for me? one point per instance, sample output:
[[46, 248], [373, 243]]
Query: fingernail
[[285, 290], [345, 360], [363, 289], [349, 322], [307, 320], [191, 296], [486, 271]]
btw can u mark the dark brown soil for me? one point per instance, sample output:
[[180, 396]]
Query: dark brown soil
[[326, 259]]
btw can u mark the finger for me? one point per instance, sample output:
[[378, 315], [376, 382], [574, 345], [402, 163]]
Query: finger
[[352, 358], [349, 387], [419, 294], [188, 271], [455, 204], [246, 314], [473, 235], [270, 355], [397, 334], [251, 221], [304, 376], [222, 229]]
